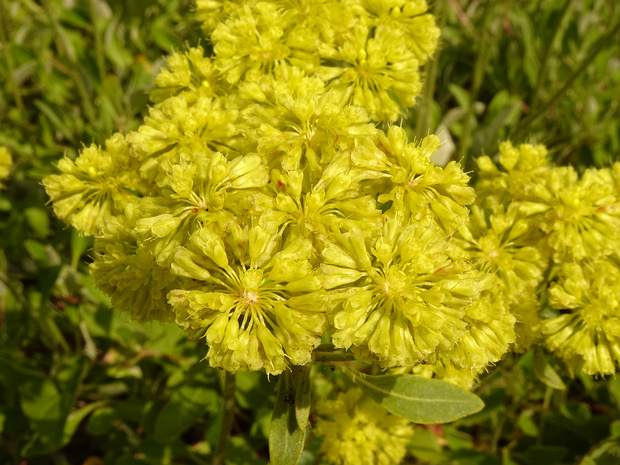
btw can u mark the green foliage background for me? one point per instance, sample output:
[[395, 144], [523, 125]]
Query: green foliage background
[[81, 384]]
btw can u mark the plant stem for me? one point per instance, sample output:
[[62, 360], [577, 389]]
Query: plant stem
[[10, 66], [228, 407], [98, 44], [329, 357], [423, 123], [540, 111], [478, 76], [327, 353], [544, 413], [545, 59]]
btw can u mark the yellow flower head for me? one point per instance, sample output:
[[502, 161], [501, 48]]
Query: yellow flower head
[[297, 122], [250, 41], [504, 242], [380, 72], [212, 12], [358, 431], [578, 216], [412, 15], [490, 329], [187, 73], [443, 368], [257, 306], [183, 122], [197, 190], [524, 168], [586, 332], [412, 182], [94, 188], [409, 298], [130, 276]]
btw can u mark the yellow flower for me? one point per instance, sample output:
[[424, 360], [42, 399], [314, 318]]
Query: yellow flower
[[400, 300], [586, 331], [135, 283], [528, 326], [412, 182], [335, 203], [212, 12], [504, 242], [412, 15], [5, 164], [94, 188], [183, 122], [297, 122], [358, 431], [250, 41], [443, 368], [525, 168], [578, 216], [261, 309], [380, 72], [190, 72], [199, 188]]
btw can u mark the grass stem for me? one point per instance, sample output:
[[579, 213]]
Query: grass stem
[[423, 121], [477, 78], [228, 407], [536, 113]]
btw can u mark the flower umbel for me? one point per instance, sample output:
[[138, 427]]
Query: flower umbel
[[586, 332], [262, 308], [410, 298], [358, 431]]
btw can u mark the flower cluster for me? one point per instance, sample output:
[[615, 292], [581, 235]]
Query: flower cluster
[[553, 236], [358, 431], [260, 207]]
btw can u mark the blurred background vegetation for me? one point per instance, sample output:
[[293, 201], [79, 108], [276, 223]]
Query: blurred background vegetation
[[81, 384]]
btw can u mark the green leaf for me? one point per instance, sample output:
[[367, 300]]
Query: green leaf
[[527, 423], [41, 403], [69, 376], [254, 390], [38, 219], [545, 372], [54, 118], [461, 95], [424, 445], [301, 381], [605, 453], [239, 452], [100, 422], [418, 399], [286, 438], [187, 404], [47, 407], [75, 418], [614, 388], [79, 244], [473, 457]]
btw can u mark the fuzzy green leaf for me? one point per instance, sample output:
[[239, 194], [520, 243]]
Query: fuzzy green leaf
[[301, 381], [286, 438], [418, 399]]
